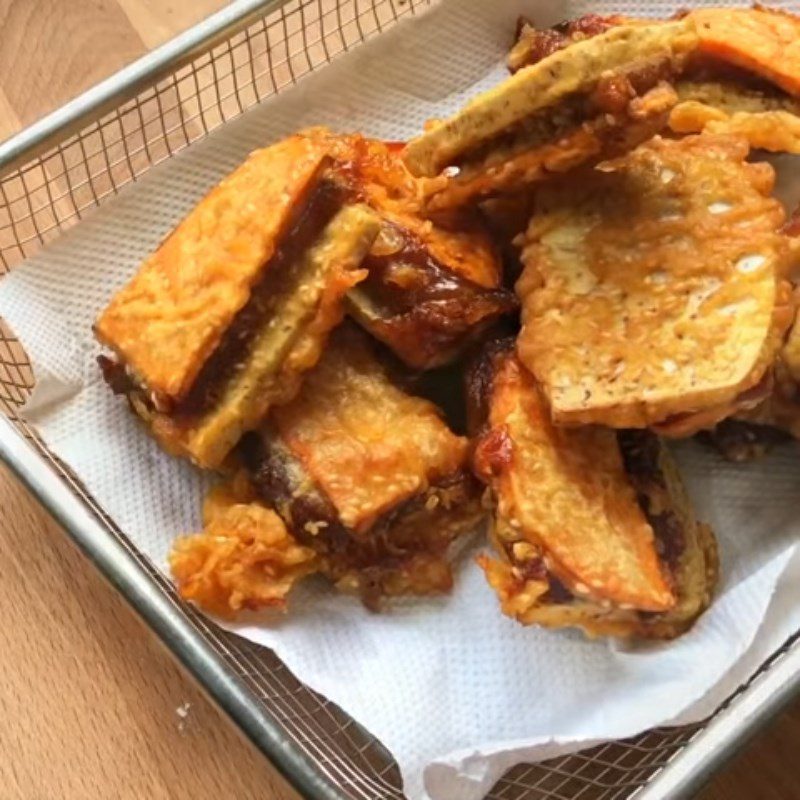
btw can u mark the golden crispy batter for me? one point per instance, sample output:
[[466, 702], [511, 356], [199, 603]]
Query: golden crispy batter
[[761, 40], [167, 321], [583, 494], [518, 599], [244, 558], [566, 493], [287, 345], [380, 176], [543, 86], [635, 275], [768, 121], [366, 443], [509, 170]]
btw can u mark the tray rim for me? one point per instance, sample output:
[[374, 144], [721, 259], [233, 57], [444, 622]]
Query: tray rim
[[771, 688]]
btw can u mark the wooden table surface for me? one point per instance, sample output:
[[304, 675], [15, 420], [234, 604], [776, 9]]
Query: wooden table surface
[[90, 704]]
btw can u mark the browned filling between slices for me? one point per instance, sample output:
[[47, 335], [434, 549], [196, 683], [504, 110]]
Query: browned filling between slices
[[281, 482], [418, 306], [640, 454], [611, 95], [281, 276]]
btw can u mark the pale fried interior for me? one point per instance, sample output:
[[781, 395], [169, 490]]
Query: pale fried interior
[[696, 316], [599, 98], [741, 79], [588, 532], [244, 559], [366, 474]]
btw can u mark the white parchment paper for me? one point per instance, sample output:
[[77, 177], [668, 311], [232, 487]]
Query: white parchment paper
[[457, 692]]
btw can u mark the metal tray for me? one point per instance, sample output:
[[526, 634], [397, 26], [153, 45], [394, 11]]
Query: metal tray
[[52, 175]]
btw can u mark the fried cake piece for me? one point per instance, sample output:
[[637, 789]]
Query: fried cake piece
[[244, 558], [432, 287], [368, 476], [599, 97], [591, 528], [223, 320], [634, 277], [717, 93]]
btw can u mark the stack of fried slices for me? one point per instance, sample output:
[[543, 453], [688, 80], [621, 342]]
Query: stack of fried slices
[[376, 345]]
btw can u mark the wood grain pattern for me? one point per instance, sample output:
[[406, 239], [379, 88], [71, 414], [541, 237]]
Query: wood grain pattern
[[88, 699]]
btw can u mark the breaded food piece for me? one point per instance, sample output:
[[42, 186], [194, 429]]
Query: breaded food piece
[[591, 528], [601, 96], [172, 315], [634, 277], [716, 94], [367, 475], [761, 40], [768, 120], [274, 338], [244, 558], [432, 287]]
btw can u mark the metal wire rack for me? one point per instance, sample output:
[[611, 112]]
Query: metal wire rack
[[54, 175]]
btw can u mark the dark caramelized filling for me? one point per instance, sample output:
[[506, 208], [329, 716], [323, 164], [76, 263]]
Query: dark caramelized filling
[[389, 545], [116, 376], [640, 454], [420, 307], [280, 276]]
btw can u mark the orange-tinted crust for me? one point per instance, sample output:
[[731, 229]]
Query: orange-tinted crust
[[378, 174], [367, 444], [761, 40], [244, 558], [170, 317], [567, 494]]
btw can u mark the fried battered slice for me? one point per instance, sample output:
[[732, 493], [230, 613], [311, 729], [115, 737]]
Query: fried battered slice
[[760, 40], [634, 276], [291, 319], [600, 96], [768, 120], [591, 528], [716, 94], [431, 288], [244, 558], [172, 315], [367, 475]]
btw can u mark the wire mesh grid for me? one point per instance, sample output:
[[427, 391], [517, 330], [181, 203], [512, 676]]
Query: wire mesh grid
[[58, 187]]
